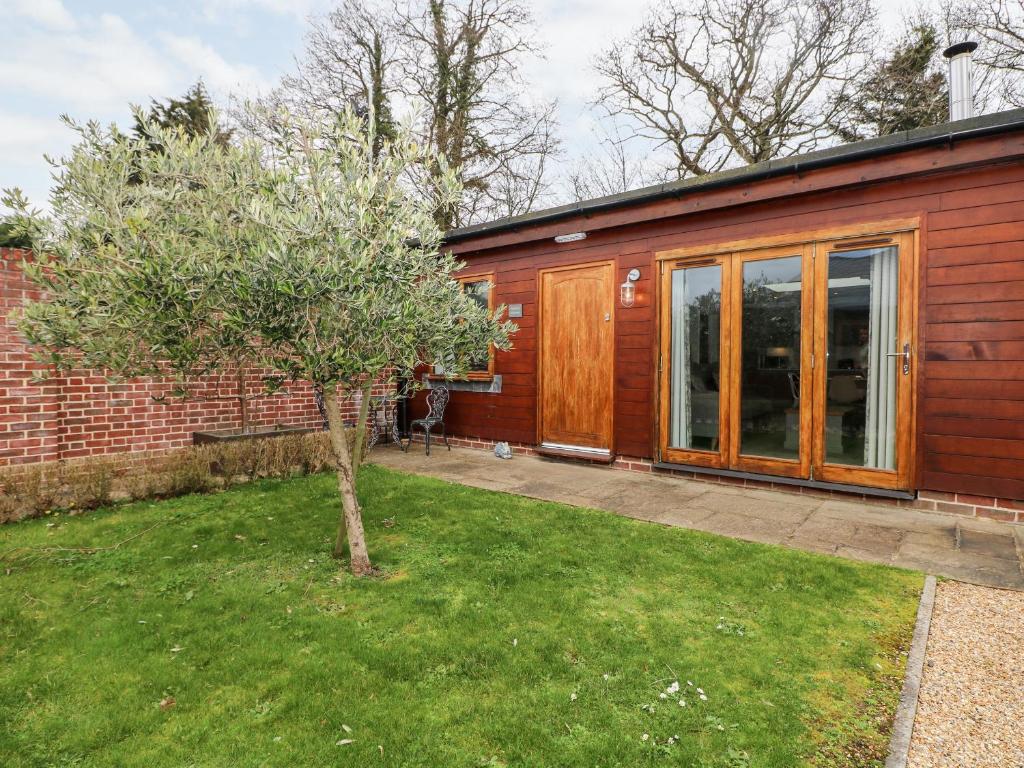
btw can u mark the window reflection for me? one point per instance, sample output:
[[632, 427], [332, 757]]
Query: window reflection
[[770, 358], [860, 418], [695, 363]]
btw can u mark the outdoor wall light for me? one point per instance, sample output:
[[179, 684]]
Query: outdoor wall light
[[572, 237], [627, 291]]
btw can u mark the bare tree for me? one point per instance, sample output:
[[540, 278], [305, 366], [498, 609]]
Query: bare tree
[[454, 64], [723, 82], [350, 61], [522, 181], [998, 27], [610, 170], [463, 61]]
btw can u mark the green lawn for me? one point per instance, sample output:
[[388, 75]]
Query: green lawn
[[507, 632]]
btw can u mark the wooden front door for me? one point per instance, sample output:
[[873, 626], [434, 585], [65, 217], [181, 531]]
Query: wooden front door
[[577, 345]]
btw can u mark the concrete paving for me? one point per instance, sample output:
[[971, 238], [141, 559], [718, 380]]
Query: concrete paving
[[972, 550]]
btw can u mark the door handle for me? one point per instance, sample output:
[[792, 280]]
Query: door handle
[[905, 354]]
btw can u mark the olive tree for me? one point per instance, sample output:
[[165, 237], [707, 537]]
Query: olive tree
[[311, 255]]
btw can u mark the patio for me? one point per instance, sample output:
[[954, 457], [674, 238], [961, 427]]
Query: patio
[[973, 550]]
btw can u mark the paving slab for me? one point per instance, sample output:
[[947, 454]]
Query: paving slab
[[973, 569], [653, 511], [988, 544], [939, 543], [772, 509], [748, 527], [973, 550], [885, 514], [851, 533]]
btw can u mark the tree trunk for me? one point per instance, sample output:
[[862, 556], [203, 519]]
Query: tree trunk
[[350, 523], [243, 401], [359, 446]]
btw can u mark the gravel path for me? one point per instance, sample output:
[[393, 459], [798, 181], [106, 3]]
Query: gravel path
[[971, 707]]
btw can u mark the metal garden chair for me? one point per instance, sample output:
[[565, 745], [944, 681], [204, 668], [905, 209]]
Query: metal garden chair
[[437, 400]]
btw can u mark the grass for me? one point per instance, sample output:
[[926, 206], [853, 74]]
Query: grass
[[507, 632]]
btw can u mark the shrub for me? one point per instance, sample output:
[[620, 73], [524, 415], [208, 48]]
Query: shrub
[[318, 455], [187, 472], [90, 484], [28, 491], [37, 488], [143, 484], [96, 482], [229, 461]]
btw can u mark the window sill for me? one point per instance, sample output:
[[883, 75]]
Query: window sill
[[469, 377], [488, 384]]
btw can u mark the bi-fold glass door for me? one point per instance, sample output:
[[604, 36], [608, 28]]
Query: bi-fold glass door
[[792, 361]]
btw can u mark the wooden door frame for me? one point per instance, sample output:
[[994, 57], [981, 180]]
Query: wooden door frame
[[862, 229], [907, 230], [612, 264], [697, 457], [906, 392]]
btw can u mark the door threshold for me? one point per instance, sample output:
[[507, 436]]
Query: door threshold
[[557, 451], [821, 485]]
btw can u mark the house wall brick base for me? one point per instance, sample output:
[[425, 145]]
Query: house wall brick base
[[970, 505]]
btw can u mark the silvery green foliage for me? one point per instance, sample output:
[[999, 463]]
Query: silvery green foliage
[[307, 255]]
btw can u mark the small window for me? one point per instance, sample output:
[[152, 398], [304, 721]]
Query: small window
[[481, 289]]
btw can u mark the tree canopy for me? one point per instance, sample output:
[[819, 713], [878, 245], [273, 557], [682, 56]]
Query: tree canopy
[[311, 256], [190, 113], [11, 237], [900, 92], [457, 66]]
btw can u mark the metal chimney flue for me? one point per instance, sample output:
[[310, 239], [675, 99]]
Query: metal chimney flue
[[961, 85]]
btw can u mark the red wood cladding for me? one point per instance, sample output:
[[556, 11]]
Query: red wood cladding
[[970, 200]]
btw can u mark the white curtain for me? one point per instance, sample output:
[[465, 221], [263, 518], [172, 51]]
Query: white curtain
[[880, 418], [680, 406]]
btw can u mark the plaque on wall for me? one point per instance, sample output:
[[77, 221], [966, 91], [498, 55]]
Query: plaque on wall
[[515, 310]]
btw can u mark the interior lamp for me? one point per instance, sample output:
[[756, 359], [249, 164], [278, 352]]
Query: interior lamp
[[627, 291]]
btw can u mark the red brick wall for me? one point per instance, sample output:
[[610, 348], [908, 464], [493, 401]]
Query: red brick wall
[[82, 414]]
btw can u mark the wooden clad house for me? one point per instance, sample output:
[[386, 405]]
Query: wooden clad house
[[850, 319]]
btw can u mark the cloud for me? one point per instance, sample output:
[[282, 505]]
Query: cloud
[[49, 13], [195, 56], [93, 67], [23, 142], [21, 133], [96, 67], [219, 10]]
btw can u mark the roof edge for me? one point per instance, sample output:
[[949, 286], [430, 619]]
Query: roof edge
[[984, 125]]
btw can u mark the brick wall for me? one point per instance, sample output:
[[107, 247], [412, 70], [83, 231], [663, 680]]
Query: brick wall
[[82, 414]]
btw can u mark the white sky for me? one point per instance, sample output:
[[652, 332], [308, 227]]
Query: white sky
[[91, 59]]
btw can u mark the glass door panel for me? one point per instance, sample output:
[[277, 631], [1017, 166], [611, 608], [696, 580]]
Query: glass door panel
[[860, 388], [770, 359], [695, 358], [695, 376], [863, 391]]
